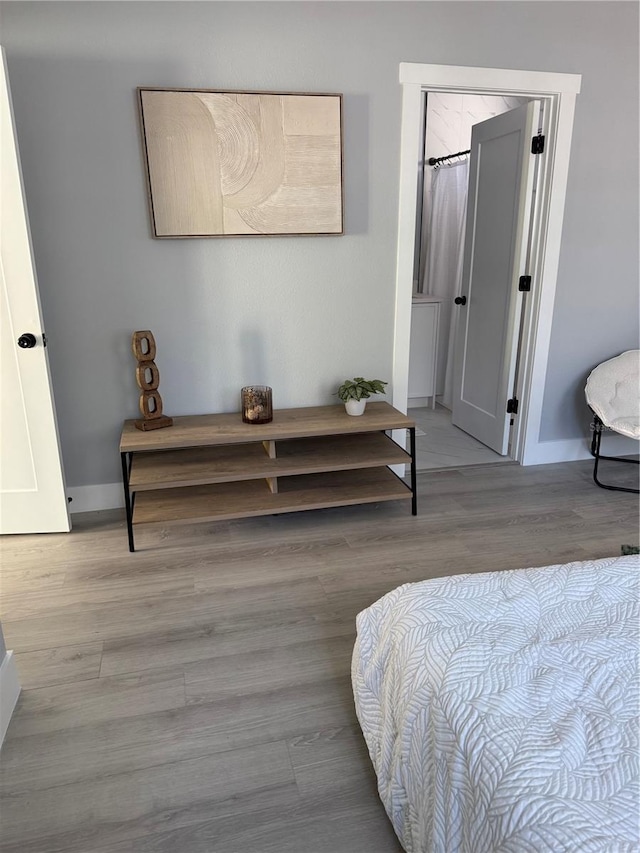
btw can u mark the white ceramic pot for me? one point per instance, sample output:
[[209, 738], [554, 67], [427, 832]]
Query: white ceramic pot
[[355, 407]]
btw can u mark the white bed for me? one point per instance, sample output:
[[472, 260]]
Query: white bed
[[501, 709]]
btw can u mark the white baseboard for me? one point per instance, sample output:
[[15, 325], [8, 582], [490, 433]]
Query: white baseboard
[[91, 498], [111, 495], [9, 692], [574, 449], [419, 402]]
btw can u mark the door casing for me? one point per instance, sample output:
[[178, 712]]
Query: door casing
[[558, 93]]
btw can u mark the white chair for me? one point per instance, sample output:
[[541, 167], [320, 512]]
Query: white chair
[[613, 395]]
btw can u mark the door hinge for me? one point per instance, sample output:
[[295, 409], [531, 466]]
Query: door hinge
[[524, 283], [512, 406], [44, 340], [537, 144]]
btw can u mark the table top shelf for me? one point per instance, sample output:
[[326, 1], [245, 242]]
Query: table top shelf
[[224, 429]]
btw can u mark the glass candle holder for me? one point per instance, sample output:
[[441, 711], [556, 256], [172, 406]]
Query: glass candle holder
[[257, 407]]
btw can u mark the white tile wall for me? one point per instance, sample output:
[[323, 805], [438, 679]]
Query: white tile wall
[[449, 122], [450, 118]]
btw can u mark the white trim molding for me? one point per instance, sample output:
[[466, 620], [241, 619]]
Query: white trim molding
[[558, 93], [9, 692], [575, 449], [111, 496], [487, 79]]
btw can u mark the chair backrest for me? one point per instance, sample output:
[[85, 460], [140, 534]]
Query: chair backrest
[[613, 393]]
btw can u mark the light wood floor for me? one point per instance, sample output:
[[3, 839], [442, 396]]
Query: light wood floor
[[194, 697]]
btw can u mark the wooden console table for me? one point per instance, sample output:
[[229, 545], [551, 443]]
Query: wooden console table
[[215, 467]]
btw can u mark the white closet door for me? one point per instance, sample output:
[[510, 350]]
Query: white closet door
[[32, 488]]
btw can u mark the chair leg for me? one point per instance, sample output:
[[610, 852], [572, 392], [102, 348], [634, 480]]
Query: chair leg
[[595, 452]]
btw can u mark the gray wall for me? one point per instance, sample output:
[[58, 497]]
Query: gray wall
[[297, 313]]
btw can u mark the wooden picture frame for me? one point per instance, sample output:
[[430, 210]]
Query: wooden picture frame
[[235, 163]]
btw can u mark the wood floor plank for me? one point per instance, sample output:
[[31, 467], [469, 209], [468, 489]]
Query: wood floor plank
[[352, 577], [202, 540], [249, 566], [73, 596], [187, 559], [137, 619], [66, 664], [315, 748], [184, 646], [87, 703], [124, 806], [45, 632], [269, 669], [443, 531], [221, 718], [345, 822], [17, 579], [129, 743], [344, 774]]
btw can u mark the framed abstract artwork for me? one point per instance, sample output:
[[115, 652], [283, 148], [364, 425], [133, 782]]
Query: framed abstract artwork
[[224, 163]]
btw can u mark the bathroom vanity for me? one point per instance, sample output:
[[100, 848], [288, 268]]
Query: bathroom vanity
[[423, 360]]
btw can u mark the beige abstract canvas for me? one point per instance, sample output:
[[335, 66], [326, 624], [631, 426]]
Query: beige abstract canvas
[[231, 163]]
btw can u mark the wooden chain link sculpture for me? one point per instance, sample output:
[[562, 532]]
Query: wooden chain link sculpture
[[148, 379]]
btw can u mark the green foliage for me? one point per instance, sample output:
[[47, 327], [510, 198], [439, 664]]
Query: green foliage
[[360, 389]]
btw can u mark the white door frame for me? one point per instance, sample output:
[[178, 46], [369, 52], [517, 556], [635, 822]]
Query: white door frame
[[558, 94]]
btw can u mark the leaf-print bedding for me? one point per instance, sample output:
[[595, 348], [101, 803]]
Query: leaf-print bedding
[[501, 709]]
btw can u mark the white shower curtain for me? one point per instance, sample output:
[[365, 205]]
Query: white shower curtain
[[443, 268]]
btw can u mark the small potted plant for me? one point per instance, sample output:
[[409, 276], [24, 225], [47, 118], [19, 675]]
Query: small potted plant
[[354, 393]]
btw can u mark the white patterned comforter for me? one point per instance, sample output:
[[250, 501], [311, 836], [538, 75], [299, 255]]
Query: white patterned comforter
[[501, 709]]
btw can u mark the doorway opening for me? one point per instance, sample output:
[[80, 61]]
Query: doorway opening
[[556, 93], [441, 207]]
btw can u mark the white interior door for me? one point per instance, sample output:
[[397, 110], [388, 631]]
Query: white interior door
[[501, 172], [32, 489]]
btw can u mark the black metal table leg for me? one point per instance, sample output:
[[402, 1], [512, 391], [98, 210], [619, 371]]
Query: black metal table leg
[[414, 487], [127, 499]]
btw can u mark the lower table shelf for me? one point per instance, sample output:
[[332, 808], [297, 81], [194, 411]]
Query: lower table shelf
[[220, 501]]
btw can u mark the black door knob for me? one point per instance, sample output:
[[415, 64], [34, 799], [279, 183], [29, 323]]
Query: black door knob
[[460, 300], [27, 341]]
